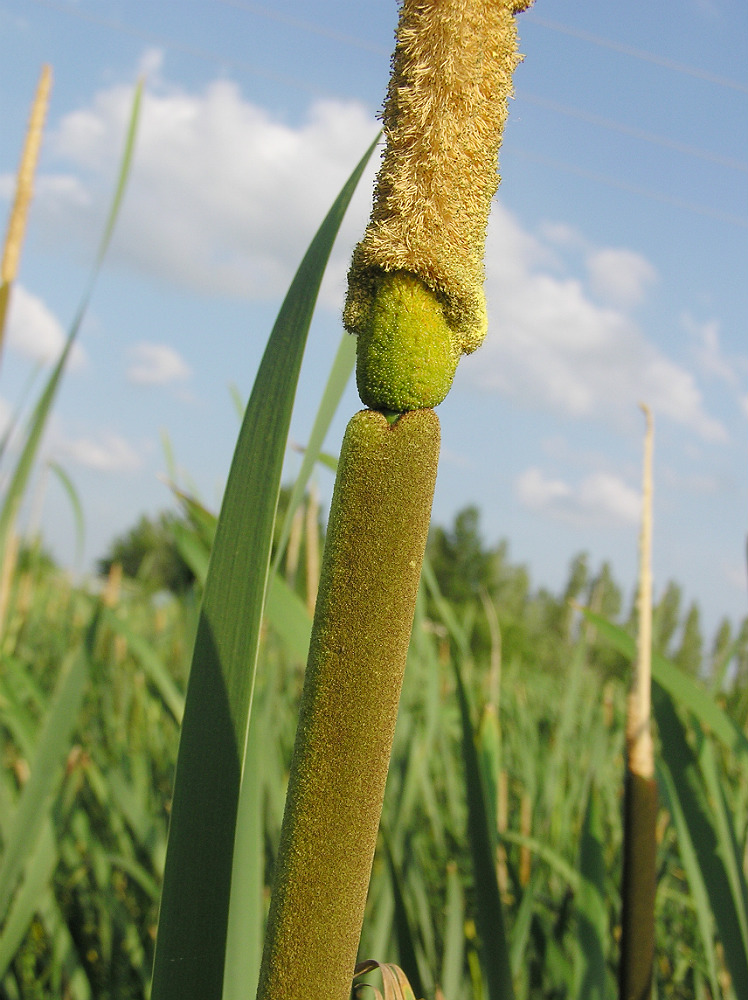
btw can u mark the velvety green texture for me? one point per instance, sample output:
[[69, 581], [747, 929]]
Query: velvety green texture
[[406, 354], [375, 543], [639, 887]]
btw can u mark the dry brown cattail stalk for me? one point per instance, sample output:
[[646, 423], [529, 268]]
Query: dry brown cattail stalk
[[640, 802]]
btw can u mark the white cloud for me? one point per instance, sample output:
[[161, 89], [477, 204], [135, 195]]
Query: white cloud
[[109, 452], [35, 332], [538, 492], [744, 405], [601, 498], [223, 196], [550, 345], [707, 350], [157, 364], [620, 277]]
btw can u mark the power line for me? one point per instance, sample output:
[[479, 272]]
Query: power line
[[689, 206], [635, 133], [309, 26], [578, 113], [191, 50], [635, 53]]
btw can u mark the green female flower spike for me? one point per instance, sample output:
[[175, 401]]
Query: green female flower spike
[[422, 253], [375, 543]]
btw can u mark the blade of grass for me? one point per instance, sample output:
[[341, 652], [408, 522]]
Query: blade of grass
[[191, 942], [687, 785], [67, 484], [46, 768], [592, 916], [453, 961], [37, 876], [246, 921], [690, 862], [152, 664], [406, 947], [490, 916], [725, 828]]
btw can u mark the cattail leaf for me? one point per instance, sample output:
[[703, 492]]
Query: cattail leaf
[[725, 827], [72, 494], [687, 788], [150, 661], [191, 942], [38, 874], [27, 823], [406, 947], [394, 981], [696, 880], [591, 905], [490, 916], [453, 961]]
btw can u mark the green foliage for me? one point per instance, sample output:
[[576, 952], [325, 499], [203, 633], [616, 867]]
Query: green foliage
[[100, 863], [149, 552]]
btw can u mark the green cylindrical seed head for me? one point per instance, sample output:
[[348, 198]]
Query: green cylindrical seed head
[[371, 567], [406, 353]]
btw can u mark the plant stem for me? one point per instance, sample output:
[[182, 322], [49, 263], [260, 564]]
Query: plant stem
[[640, 801]]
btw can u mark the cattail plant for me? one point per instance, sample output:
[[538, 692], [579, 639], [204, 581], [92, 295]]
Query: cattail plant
[[640, 801], [415, 301]]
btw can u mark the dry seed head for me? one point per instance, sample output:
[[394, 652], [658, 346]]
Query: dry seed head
[[24, 183], [443, 118]]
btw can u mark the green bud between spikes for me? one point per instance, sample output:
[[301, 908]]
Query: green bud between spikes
[[406, 353]]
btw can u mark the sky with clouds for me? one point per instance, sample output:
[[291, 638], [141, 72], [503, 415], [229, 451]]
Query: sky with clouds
[[615, 267]]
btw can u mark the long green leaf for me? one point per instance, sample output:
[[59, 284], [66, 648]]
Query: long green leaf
[[690, 862], [592, 917], [37, 876], [191, 942], [687, 786], [46, 770], [152, 664], [75, 502], [489, 916], [406, 946]]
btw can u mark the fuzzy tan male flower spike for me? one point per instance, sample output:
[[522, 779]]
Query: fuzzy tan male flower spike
[[415, 287]]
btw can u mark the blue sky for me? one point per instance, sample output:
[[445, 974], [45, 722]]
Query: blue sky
[[616, 264]]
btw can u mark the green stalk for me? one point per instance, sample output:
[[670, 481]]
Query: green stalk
[[371, 567]]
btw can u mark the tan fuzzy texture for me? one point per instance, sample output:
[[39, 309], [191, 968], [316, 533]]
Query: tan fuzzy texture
[[443, 119], [371, 567], [25, 180]]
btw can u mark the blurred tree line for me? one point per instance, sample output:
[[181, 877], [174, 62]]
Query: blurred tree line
[[492, 596]]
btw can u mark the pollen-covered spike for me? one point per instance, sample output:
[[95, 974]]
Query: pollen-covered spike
[[443, 119]]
